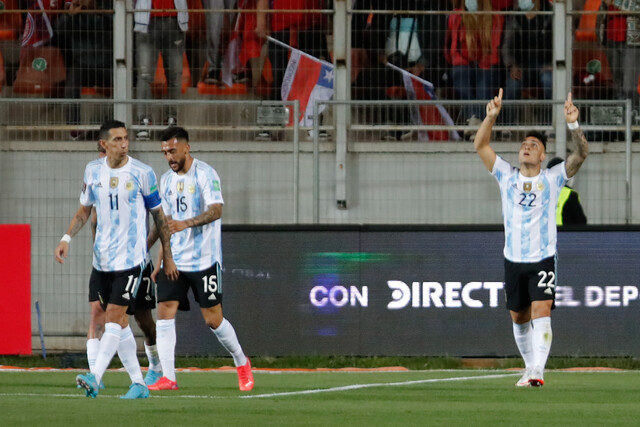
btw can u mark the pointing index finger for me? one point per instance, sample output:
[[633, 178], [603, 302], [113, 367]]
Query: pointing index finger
[[500, 94]]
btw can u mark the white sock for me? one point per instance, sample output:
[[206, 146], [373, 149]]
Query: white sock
[[227, 337], [93, 345], [523, 336], [127, 352], [108, 346], [152, 355], [542, 337], [166, 343]]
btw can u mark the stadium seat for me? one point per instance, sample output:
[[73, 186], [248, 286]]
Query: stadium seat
[[10, 23], [159, 86], [41, 72]]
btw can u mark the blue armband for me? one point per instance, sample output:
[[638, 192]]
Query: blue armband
[[152, 200]]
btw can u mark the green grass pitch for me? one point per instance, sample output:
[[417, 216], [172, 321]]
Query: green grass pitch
[[439, 397]]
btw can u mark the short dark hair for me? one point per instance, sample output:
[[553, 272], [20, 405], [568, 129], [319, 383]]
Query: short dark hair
[[175, 132], [107, 126], [539, 135]]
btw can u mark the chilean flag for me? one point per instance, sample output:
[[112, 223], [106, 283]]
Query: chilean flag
[[37, 28], [418, 88], [307, 79]]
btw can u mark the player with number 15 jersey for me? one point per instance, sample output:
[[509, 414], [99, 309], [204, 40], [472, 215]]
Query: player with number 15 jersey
[[187, 196]]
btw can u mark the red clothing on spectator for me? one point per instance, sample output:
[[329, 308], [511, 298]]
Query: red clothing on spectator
[[283, 21], [616, 26], [251, 43], [163, 4], [456, 51]]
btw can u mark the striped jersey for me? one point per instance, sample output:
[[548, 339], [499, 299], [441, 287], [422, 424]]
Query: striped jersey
[[529, 210], [121, 198], [185, 197]]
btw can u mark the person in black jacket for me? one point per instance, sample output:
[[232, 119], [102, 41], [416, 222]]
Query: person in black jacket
[[86, 43], [569, 210]]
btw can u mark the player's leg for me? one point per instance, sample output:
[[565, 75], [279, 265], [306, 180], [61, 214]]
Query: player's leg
[[210, 299], [519, 307], [147, 325], [96, 329], [542, 285], [169, 294]]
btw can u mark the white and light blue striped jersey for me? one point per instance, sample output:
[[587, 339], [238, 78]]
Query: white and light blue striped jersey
[[121, 197], [185, 197], [529, 210]]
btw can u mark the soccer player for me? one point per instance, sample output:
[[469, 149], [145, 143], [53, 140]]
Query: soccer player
[[193, 201], [529, 197], [123, 190], [145, 301]]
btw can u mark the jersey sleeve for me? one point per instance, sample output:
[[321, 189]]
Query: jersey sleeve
[[501, 169], [150, 190], [164, 185], [87, 195], [211, 191], [558, 174]]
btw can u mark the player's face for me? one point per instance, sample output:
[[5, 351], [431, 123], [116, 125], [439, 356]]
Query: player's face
[[117, 145], [532, 151], [176, 153]]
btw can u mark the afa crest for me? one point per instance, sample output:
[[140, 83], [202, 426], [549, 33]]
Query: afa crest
[[129, 185]]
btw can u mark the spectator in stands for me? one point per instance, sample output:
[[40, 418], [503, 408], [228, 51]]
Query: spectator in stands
[[304, 31], [621, 38], [569, 209], [86, 43], [216, 22], [161, 31], [473, 51], [431, 32], [527, 53]]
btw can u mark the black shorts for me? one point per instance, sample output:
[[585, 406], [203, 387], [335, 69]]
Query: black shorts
[[206, 286], [132, 288], [526, 282]]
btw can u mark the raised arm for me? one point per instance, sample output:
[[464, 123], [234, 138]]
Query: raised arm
[[77, 222], [483, 136], [581, 146], [162, 226], [212, 213]]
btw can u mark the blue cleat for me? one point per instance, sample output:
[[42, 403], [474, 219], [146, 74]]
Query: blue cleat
[[88, 383], [136, 391], [152, 377]]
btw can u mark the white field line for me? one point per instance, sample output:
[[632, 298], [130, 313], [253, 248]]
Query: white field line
[[362, 386], [290, 393]]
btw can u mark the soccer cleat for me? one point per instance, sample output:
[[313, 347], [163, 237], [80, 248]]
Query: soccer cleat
[[536, 379], [164, 383], [524, 381], [152, 377], [136, 391], [245, 376], [89, 384]]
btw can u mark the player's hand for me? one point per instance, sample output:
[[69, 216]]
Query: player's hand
[[170, 269], [571, 112], [154, 273], [515, 72], [495, 105], [176, 226], [61, 251]]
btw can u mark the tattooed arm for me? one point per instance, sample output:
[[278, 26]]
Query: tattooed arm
[[162, 227], [211, 214], [77, 222], [581, 146]]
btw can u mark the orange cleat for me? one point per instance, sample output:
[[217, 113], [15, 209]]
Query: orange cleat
[[164, 383], [245, 376]]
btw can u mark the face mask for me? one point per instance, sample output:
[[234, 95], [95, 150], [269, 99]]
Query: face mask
[[525, 5], [471, 5]]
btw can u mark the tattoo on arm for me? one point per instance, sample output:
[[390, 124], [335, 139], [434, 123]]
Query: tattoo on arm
[[579, 154], [163, 230], [214, 212], [153, 236], [79, 220]]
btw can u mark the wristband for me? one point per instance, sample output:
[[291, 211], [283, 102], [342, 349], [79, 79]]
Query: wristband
[[573, 126], [66, 238]]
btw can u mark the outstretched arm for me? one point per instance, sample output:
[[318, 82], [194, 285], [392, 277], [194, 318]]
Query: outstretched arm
[[581, 146], [483, 136], [77, 222]]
